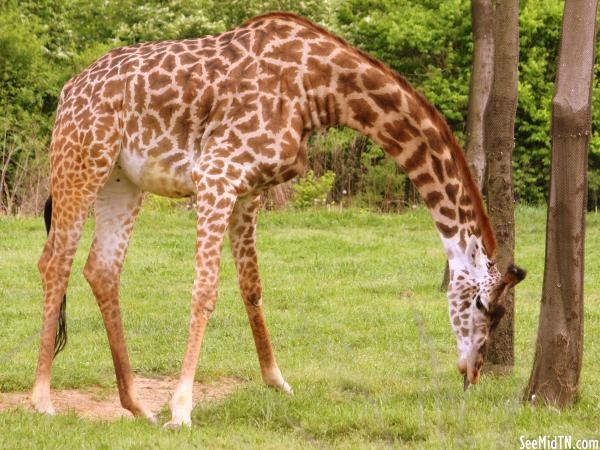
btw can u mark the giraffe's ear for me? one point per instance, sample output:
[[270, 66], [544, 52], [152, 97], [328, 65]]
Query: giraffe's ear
[[513, 276], [475, 255]]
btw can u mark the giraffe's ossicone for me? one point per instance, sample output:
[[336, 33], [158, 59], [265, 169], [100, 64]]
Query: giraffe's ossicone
[[223, 118]]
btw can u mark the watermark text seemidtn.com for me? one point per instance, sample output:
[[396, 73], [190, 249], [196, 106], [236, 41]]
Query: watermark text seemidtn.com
[[558, 442]]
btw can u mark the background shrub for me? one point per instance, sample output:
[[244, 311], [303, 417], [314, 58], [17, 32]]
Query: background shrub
[[312, 190], [45, 42]]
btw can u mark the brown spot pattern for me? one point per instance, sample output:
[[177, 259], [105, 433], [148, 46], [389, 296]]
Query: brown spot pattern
[[223, 117]]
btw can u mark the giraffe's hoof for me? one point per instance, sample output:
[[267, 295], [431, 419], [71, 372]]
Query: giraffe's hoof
[[286, 388], [283, 387], [177, 423], [139, 411], [147, 414], [43, 406], [274, 379]]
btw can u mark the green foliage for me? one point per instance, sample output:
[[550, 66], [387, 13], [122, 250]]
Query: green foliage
[[428, 42], [383, 183], [540, 25], [364, 176], [45, 42], [165, 205], [26, 79], [312, 190], [594, 189]]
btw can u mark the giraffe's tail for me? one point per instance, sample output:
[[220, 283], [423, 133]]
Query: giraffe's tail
[[61, 331]]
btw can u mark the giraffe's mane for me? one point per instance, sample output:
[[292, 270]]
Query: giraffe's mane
[[471, 188]]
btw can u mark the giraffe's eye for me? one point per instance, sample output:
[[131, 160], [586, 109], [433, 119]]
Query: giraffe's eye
[[479, 305]]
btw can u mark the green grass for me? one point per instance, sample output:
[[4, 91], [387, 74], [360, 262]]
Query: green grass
[[358, 325]]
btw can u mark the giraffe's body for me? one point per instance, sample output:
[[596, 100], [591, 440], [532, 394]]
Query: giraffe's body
[[225, 117]]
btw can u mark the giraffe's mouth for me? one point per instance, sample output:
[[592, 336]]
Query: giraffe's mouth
[[469, 379], [473, 376], [470, 370], [474, 369]]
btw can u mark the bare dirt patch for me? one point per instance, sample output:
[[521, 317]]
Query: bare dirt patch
[[93, 403]]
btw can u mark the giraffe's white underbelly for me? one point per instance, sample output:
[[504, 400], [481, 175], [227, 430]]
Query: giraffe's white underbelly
[[166, 174]]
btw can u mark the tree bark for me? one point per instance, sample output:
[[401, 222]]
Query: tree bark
[[554, 378], [482, 18], [278, 196], [499, 143], [482, 71]]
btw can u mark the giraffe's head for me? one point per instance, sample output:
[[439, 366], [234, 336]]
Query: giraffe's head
[[476, 297]]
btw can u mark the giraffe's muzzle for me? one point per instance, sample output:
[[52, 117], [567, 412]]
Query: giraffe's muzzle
[[470, 369]]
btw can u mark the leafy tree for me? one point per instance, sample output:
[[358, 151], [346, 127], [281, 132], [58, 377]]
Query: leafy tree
[[428, 42], [45, 42]]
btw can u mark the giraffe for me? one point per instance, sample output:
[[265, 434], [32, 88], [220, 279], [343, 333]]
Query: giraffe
[[225, 117]]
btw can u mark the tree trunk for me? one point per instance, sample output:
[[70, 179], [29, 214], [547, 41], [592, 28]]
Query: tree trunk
[[278, 196], [554, 379], [499, 143], [482, 18], [482, 71]]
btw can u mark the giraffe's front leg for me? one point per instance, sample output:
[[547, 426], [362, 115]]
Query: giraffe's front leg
[[215, 201], [242, 233]]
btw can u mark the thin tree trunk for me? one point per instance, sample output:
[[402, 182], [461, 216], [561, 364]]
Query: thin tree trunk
[[482, 18], [554, 378], [499, 142], [482, 71]]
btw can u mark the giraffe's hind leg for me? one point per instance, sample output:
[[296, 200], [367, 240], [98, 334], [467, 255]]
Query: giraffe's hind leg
[[55, 267], [242, 233], [74, 187], [116, 208]]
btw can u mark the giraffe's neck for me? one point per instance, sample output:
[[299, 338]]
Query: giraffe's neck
[[386, 108]]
